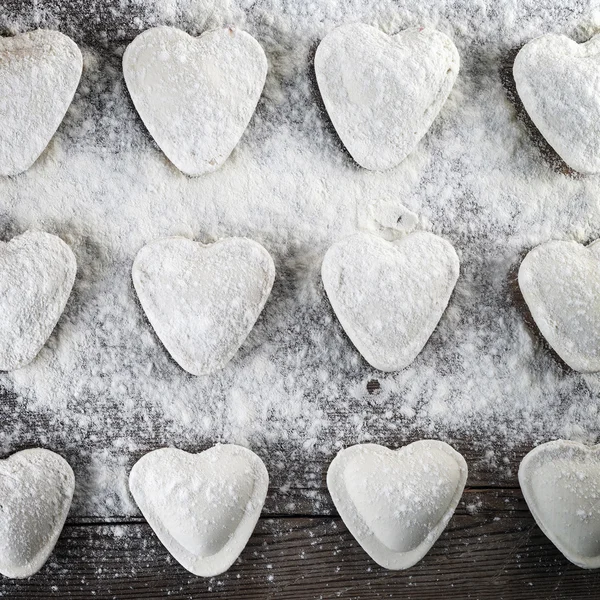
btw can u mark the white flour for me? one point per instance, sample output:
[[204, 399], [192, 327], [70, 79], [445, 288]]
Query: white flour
[[104, 389]]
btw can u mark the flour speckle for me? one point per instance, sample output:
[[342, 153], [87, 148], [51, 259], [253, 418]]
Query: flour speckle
[[104, 390]]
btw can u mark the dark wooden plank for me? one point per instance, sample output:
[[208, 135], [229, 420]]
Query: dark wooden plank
[[491, 550], [297, 478], [298, 482]]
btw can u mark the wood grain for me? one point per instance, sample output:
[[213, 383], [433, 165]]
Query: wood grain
[[300, 550], [492, 549], [297, 483]]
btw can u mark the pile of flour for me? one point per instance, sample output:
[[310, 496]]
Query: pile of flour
[[104, 389]]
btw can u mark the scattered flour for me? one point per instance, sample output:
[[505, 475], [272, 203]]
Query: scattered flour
[[104, 390]]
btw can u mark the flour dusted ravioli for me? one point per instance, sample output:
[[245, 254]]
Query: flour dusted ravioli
[[396, 503], [195, 95], [560, 282], [389, 296], [560, 481], [557, 81], [203, 300], [36, 489], [383, 92], [39, 73], [203, 507], [37, 272]]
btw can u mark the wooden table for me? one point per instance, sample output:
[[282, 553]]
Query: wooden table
[[300, 548], [491, 549]]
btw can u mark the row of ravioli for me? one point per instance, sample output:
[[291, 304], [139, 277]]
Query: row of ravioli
[[196, 96], [204, 299], [204, 507]]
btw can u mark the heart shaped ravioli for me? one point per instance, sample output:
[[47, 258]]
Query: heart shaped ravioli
[[383, 92], [203, 507], [396, 503], [195, 95], [560, 481], [560, 282], [389, 296], [39, 73], [203, 300], [37, 272], [557, 81], [36, 489]]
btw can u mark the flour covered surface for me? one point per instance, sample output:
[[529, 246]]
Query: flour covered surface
[[203, 300], [558, 81], [203, 507], [396, 503], [103, 390], [389, 296], [383, 92], [195, 96], [39, 73], [36, 488], [560, 282], [560, 481], [37, 272]]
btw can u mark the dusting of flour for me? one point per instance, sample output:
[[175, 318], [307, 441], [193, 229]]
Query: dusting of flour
[[104, 390]]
